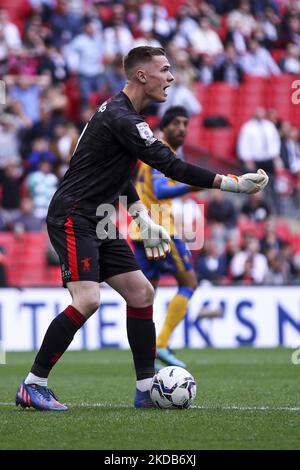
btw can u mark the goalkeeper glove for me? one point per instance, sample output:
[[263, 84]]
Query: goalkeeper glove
[[249, 183], [155, 238]]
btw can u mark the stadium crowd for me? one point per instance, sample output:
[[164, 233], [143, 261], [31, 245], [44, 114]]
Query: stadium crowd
[[60, 59]]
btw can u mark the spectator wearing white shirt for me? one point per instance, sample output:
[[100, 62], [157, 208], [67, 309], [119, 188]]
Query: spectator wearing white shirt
[[85, 56], [118, 39], [10, 32], [259, 143], [243, 16], [154, 8], [180, 95], [249, 265], [258, 61], [147, 38], [290, 63], [204, 40]]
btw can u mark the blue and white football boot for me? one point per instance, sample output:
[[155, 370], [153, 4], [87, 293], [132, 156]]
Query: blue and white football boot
[[40, 398], [143, 400]]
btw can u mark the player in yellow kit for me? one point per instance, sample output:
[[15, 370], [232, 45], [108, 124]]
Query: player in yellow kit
[[156, 192]]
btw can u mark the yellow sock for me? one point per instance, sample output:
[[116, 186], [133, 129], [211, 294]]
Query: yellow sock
[[176, 312]]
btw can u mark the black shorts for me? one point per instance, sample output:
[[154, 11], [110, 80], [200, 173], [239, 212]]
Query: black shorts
[[84, 257]]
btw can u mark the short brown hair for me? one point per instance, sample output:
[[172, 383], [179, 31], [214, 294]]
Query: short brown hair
[[140, 54]]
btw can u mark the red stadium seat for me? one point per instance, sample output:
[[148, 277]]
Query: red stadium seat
[[222, 101], [195, 131], [248, 226], [202, 93], [220, 142], [283, 230], [295, 240]]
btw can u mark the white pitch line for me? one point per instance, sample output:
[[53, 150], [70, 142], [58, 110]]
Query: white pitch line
[[197, 407]]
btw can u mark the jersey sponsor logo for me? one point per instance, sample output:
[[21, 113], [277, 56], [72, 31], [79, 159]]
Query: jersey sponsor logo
[[146, 133]]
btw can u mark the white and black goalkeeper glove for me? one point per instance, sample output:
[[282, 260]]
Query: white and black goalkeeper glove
[[249, 183], [155, 238]]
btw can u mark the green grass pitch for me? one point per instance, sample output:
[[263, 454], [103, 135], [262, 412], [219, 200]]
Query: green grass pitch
[[246, 399]]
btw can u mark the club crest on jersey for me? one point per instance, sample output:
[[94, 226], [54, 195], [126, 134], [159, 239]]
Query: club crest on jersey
[[146, 133]]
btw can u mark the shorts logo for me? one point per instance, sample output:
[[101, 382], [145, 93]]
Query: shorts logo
[[66, 273], [146, 133], [86, 263]]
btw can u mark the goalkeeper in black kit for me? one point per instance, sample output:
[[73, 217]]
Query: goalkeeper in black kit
[[100, 172]]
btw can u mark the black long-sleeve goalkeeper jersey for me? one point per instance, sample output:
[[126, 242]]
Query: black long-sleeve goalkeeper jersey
[[103, 162]]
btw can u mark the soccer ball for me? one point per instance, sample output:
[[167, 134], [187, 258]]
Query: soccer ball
[[173, 387]]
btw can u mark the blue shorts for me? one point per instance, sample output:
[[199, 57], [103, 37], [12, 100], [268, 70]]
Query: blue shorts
[[178, 260]]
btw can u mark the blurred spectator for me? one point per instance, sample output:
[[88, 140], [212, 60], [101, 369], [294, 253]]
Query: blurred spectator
[[180, 95], [65, 24], [63, 144], [237, 38], [9, 142], [258, 61], [85, 56], [3, 276], [3, 220], [270, 23], [85, 115], [11, 180], [221, 210], [280, 270], [40, 151], [9, 33], [154, 16], [147, 38], [33, 41], [26, 221], [185, 69], [276, 274], [41, 185], [117, 37], [205, 70], [259, 143], [210, 265], [293, 34], [272, 115], [205, 40], [290, 147], [290, 63], [271, 239], [186, 24], [228, 68], [53, 63], [249, 265], [153, 9], [256, 208], [114, 75], [243, 17], [27, 90], [231, 249]]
